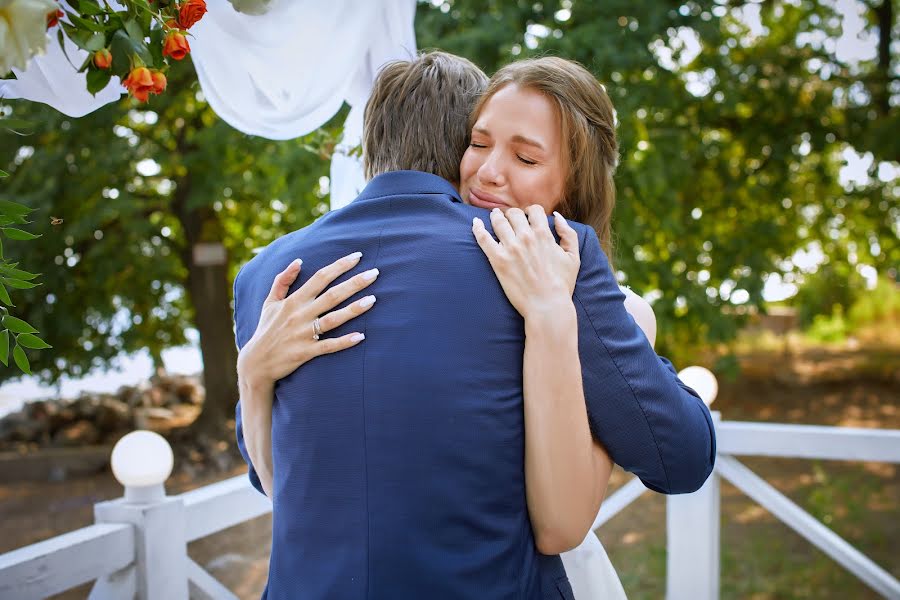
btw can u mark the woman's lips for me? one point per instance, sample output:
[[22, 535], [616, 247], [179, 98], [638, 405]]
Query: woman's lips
[[485, 200]]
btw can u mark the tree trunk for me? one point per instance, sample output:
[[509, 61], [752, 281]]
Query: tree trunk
[[885, 16], [210, 296]]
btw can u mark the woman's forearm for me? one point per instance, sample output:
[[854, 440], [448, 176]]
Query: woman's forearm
[[566, 471], [256, 416]]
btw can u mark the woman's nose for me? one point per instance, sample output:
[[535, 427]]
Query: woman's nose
[[491, 171]]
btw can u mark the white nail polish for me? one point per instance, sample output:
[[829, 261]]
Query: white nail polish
[[297, 262], [354, 256], [370, 274], [357, 337], [367, 301]]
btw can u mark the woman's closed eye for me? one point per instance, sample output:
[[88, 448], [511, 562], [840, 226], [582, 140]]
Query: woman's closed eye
[[476, 145], [526, 160]]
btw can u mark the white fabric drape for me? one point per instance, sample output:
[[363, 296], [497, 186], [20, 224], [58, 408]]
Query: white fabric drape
[[279, 75]]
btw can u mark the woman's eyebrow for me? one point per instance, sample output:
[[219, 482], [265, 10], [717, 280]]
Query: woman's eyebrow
[[521, 139], [481, 130]]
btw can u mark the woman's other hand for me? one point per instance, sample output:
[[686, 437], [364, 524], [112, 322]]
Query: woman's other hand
[[537, 274], [284, 338]]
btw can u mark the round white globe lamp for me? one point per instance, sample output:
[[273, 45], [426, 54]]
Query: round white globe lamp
[[142, 461], [702, 381]]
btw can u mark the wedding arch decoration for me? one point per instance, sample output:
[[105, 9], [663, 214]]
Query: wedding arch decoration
[[272, 68]]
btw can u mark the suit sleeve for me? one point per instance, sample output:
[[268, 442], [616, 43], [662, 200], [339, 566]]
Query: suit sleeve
[[651, 423], [241, 339]]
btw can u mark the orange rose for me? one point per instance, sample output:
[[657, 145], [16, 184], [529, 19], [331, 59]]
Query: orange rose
[[159, 82], [190, 12], [140, 83], [176, 46], [53, 18], [102, 59]]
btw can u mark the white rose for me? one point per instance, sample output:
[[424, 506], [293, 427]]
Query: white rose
[[23, 31]]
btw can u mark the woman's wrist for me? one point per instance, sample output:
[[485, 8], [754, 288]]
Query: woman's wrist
[[251, 381], [551, 318]]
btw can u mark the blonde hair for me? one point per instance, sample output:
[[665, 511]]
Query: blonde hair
[[587, 119], [416, 118]]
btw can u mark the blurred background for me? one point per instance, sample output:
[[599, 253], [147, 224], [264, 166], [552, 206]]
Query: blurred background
[[757, 211]]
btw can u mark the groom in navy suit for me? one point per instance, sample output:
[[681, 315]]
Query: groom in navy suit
[[398, 463]]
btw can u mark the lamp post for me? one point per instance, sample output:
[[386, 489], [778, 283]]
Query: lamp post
[[141, 462]]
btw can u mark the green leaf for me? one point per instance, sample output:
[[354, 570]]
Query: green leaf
[[123, 48], [18, 284], [134, 31], [28, 340], [18, 234], [78, 36], [8, 206], [97, 79], [97, 42], [4, 347], [17, 125], [21, 360], [4, 296], [156, 45], [62, 45], [84, 23], [17, 273], [3, 173], [17, 325], [89, 8], [145, 19]]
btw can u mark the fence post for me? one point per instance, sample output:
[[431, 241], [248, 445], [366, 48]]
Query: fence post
[[142, 461], [692, 546]]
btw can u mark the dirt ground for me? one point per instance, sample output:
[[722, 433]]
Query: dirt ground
[[761, 558]]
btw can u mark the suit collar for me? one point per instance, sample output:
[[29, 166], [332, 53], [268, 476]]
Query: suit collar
[[408, 182]]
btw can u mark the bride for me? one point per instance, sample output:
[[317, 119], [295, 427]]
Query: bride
[[544, 133]]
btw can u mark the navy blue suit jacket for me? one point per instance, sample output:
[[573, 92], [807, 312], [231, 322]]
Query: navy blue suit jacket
[[399, 463]]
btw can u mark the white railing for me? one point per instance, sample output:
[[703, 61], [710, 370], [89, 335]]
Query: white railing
[[692, 520], [139, 545]]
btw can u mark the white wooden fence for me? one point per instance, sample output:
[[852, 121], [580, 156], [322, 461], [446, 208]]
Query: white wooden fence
[[139, 548]]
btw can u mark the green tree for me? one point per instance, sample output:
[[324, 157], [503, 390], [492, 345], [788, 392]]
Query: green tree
[[135, 192], [14, 332], [730, 154], [730, 161]]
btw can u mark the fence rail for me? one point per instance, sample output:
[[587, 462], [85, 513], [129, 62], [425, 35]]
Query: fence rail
[[139, 548], [66, 561]]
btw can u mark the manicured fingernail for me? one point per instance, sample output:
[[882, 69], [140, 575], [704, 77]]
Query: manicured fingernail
[[476, 222], [558, 216], [495, 211], [297, 262], [354, 256], [367, 301], [370, 274], [357, 337]]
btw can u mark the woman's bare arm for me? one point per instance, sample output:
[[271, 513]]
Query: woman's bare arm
[[566, 472]]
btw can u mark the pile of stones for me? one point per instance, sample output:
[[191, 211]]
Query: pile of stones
[[98, 418]]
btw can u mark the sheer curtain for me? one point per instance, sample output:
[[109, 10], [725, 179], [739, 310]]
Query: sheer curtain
[[279, 75]]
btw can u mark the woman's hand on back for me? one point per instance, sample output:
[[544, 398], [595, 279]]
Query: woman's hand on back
[[537, 274], [284, 338]]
